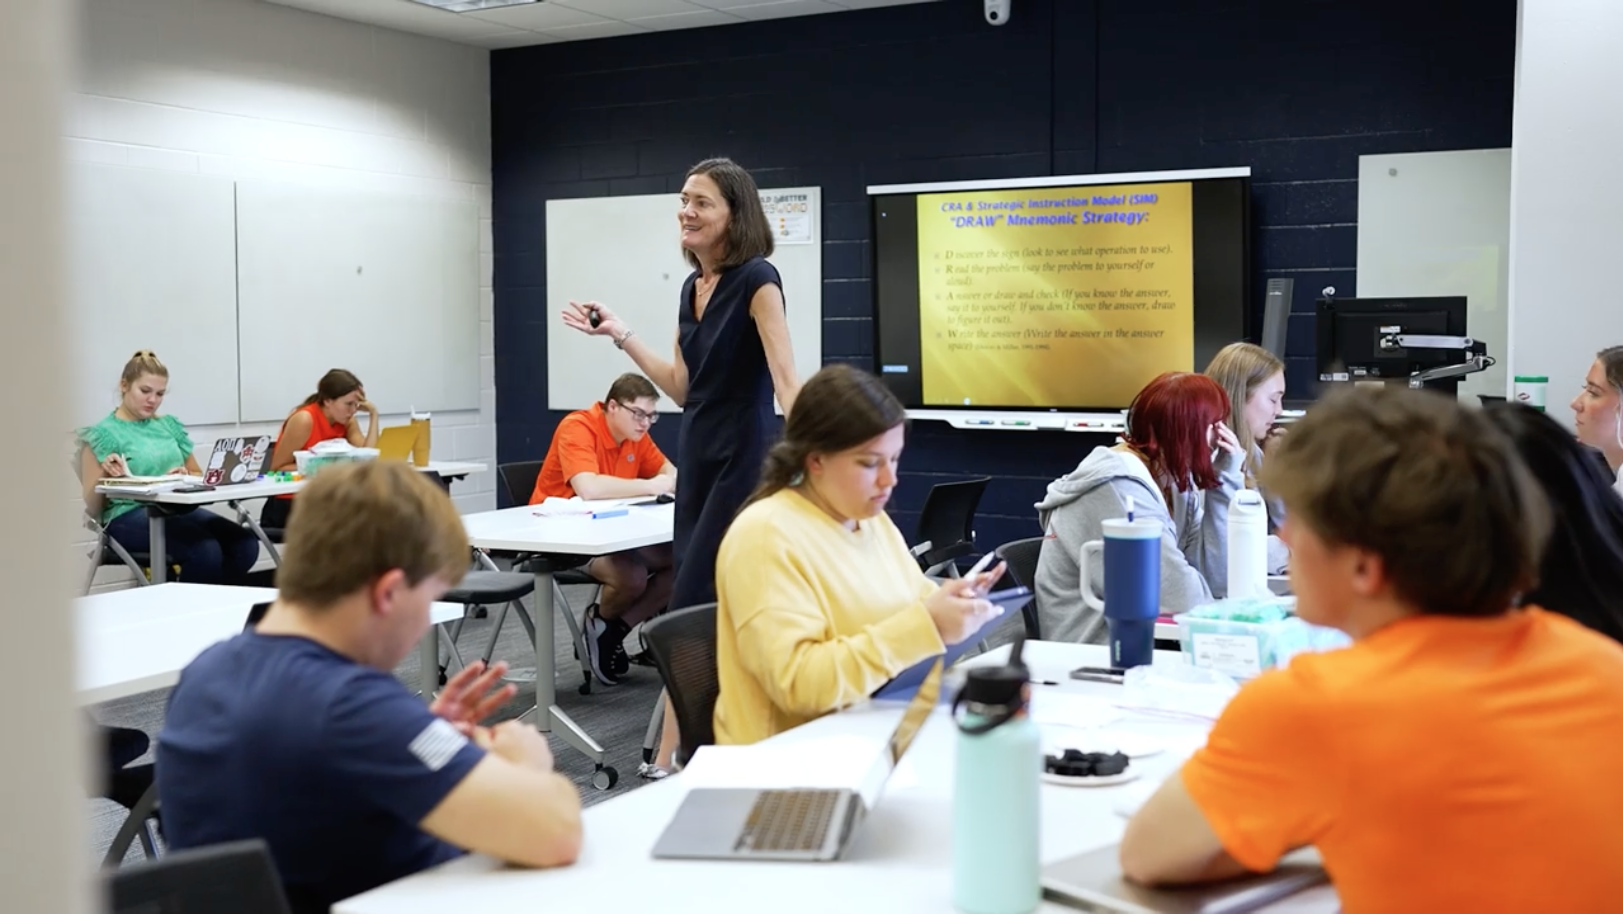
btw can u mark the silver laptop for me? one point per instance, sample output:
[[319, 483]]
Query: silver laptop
[[1093, 882], [790, 824]]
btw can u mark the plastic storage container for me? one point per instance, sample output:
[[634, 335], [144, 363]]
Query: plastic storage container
[[1243, 637], [310, 463]]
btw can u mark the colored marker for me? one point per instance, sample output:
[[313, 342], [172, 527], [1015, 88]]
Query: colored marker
[[617, 512]]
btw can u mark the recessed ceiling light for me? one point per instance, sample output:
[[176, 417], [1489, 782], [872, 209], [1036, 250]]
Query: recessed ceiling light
[[464, 6]]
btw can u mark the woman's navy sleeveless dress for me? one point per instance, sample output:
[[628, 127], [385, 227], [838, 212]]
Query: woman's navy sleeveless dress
[[728, 423]]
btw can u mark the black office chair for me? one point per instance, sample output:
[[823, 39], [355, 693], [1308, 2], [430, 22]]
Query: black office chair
[[234, 878], [1021, 556], [947, 524], [490, 588], [683, 645], [518, 479]]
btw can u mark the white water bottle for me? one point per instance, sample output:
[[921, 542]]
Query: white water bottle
[[1248, 545]]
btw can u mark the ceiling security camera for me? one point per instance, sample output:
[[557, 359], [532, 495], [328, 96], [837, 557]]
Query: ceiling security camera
[[997, 11]]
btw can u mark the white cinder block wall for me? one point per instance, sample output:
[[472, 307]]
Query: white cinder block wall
[[248, 89]]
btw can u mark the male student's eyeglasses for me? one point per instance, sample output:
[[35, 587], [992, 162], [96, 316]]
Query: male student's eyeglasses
[[639, 415]]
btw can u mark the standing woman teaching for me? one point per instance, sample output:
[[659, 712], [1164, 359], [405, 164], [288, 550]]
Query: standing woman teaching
[[732, 354]]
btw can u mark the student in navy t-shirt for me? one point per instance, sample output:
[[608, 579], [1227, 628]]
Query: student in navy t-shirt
[[297, 733]]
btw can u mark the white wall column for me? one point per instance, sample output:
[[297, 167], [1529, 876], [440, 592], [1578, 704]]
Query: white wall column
[[44, 860], [1566, 192]]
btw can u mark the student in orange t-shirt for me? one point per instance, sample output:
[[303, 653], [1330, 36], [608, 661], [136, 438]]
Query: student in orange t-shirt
[[327, 414], [1461, 755], [604, 451]]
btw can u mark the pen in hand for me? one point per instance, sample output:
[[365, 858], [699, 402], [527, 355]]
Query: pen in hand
[[115, 465], [977, 578]]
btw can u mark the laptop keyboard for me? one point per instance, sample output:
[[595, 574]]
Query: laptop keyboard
[[788, 820]]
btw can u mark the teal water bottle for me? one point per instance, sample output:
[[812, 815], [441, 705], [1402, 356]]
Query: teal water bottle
[[995, 807]]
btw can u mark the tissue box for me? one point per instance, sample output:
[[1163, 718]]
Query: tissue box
[[310, 463], [1241, 638]]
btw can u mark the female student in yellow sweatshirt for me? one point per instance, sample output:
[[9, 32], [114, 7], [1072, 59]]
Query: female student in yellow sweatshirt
[[819, 600]]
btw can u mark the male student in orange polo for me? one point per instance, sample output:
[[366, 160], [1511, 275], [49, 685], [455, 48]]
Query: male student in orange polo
[[1465, 753], [604, 451]]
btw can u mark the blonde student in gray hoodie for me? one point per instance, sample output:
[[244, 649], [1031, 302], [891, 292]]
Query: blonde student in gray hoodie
[[1164, 465], [1254, 380]]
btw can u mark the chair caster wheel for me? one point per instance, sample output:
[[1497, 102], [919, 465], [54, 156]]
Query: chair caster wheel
[[586, 683], [604, 778]]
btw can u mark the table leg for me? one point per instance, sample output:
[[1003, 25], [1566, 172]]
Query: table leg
[[548, 714], [158, 549], [428, 661], [247, 520]]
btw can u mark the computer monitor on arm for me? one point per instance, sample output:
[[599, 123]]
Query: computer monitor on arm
[[1416, 342]]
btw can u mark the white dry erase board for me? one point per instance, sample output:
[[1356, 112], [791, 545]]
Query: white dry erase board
[[1438, 223], [384, 285], [625, 253], [152, 265]]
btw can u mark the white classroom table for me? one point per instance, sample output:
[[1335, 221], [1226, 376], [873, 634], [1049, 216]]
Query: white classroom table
[[900, 862], [139, 639], [521, 529], [234, 495]]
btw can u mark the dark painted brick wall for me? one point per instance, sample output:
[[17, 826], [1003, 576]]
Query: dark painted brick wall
[[1296, 89]]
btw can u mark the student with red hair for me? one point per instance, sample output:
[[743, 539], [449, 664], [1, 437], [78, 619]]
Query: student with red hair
[[1164, 465]]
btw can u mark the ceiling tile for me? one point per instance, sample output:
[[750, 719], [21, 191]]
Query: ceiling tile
[[536, 17], [693, 20], [631, 9], [569, 20], [401, 15], [513, 38], [874, 4], [604, 29], [781, 9]]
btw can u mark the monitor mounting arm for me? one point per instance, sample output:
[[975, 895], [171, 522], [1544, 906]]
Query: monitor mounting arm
[[1476, 353]]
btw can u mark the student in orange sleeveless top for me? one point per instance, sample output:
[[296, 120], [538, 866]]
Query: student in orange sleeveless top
[[325, 415]]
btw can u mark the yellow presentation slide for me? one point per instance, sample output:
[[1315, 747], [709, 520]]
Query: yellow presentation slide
[[1064, 295]]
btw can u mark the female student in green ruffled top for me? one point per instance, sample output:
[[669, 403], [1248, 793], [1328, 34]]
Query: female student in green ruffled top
[[135, 441]]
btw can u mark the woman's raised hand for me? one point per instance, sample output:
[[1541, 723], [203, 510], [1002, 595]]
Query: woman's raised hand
[[578, 316]]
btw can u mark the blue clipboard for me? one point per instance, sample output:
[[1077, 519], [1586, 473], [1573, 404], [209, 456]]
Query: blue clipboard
[[907, 682]]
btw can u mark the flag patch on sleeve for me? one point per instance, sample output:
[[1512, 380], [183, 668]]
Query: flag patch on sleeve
[[437, 744]]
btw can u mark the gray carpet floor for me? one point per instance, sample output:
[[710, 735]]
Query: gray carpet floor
[[616, 716]]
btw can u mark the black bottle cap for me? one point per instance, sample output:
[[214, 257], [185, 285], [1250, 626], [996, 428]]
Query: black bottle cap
[[999, 686]]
